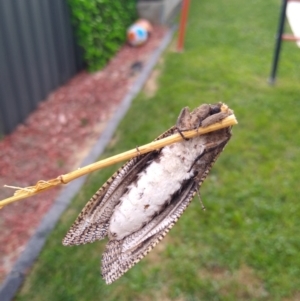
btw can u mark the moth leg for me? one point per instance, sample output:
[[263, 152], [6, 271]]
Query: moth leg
[[138, 151], [199, 196], [183, 122], [193, 120], [215, 118], [181, 134], [188, 121], [200, 114]]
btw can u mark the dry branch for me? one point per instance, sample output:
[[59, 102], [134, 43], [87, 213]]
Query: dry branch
[[41, 186]]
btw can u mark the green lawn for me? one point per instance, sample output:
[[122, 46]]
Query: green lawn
[[246, 245]]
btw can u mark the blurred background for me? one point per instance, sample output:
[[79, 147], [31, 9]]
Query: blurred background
[[56, 56]]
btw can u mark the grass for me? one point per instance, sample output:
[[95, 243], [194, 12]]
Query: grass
[[246, 245]]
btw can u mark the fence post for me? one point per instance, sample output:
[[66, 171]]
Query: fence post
[[182, 25], [278, 42]]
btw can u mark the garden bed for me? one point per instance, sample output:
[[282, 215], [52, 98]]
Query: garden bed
[[55, 139]]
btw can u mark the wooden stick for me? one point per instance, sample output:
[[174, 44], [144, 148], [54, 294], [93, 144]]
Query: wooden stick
[[64, 179]]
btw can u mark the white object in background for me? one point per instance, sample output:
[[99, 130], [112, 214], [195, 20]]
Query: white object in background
[[293, 16], [138, 33]]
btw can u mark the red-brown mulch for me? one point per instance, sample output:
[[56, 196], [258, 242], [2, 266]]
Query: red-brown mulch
[[53, 139]]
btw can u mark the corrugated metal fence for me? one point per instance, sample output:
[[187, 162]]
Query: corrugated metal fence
[[37, 54]]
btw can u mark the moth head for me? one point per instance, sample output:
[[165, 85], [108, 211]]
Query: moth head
[[215, 108], [204, 111]]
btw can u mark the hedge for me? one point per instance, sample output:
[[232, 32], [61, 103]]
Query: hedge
[[100, 27]]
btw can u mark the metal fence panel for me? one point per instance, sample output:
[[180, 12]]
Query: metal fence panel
[[37, 54]]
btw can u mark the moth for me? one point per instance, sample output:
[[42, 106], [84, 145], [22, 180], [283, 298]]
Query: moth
[[143, 200]]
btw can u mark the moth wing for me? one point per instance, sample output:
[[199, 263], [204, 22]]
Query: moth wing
[[121, 255], [93, 221]]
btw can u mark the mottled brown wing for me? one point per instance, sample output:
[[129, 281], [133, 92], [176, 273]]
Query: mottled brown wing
[[121, 255], [93, 221]]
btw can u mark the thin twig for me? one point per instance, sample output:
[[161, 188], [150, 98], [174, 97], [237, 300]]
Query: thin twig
[[41, 186]]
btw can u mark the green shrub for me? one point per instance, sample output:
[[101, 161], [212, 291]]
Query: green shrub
[[100, 27]]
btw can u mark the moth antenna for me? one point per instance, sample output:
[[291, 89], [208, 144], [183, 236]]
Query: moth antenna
[[199, 196]]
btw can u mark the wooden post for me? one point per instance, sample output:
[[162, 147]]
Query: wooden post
[[182, 25]]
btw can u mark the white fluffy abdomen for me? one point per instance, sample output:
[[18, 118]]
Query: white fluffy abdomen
[[154, 187]]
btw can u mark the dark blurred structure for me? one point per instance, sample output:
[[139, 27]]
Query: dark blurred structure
[[291, 10], [38, 53]]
